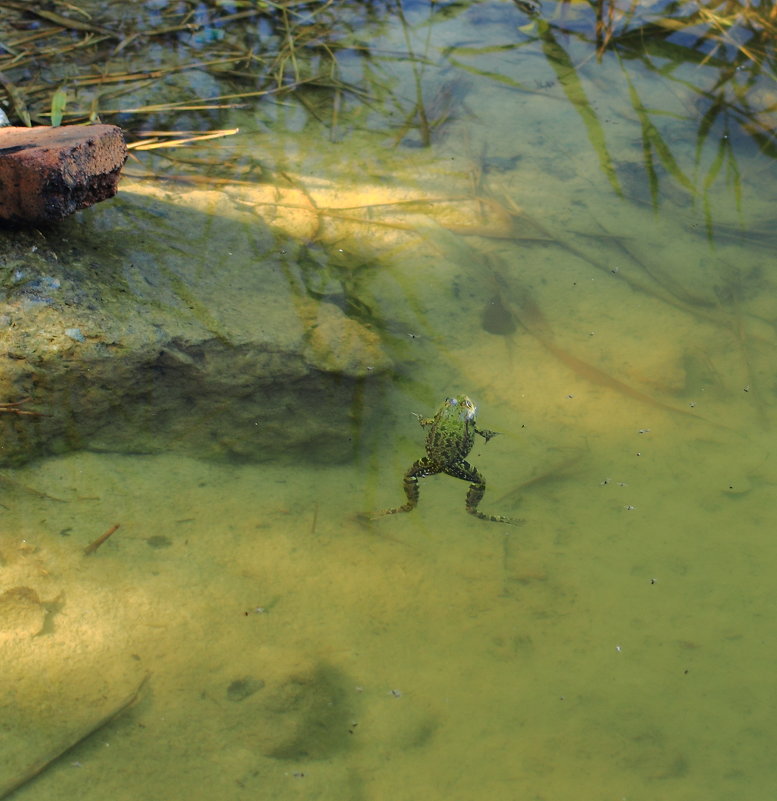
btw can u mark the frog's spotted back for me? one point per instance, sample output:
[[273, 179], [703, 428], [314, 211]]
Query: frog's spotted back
[[449, 441]]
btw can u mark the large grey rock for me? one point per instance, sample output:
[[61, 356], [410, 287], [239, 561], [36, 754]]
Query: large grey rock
[[148, 327]]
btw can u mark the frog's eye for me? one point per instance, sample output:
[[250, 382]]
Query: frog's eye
[[451, 402]]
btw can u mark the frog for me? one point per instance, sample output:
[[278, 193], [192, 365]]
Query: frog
[[449, 441]]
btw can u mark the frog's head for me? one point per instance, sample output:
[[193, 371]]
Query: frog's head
[[460, 407]]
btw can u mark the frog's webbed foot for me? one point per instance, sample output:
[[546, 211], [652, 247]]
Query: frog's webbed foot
[[512, 521], [486, 433], [419, 469]]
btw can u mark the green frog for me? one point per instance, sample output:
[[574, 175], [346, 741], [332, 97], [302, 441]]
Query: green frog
[[450, 439]]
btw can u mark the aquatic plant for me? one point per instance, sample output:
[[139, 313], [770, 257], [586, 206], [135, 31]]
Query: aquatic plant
[[728, 45], [167, 71], [735, 43], [107, 51]]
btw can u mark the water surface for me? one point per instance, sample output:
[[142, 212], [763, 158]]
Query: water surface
[[578, 244]]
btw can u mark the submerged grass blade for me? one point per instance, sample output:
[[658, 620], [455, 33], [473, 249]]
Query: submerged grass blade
[[69, 743], [565, 70], [17, 101], [725, 155], [493, 76], [420, 109], [525, 310], [712, 174], [532, 319], [705, 125], [653, 142], [153, 144], [57, 19]]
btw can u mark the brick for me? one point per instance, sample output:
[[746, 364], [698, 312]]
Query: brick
[[48, 173]]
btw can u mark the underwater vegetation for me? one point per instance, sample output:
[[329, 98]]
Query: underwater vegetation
[[165, 71]]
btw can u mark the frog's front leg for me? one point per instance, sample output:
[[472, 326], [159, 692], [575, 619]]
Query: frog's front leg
[[420, 469], [477, 489], [486, 433]]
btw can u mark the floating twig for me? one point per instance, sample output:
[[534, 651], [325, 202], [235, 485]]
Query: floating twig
[[92, 547], [14, 408], [5, 481]]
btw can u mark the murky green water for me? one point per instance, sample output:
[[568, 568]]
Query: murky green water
[[574, 260]]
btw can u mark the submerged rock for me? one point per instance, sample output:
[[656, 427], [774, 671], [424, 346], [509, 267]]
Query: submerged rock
[[155, 327], [21, 613], [339, 344]]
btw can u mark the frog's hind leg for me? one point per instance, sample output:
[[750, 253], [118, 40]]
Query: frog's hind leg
[[477, 489], [419, 469]]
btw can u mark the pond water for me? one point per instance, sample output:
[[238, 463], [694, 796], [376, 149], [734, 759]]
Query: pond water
[[584, 248]]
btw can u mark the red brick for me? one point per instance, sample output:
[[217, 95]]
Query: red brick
[[48, 173]]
